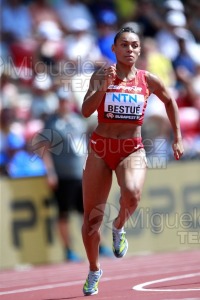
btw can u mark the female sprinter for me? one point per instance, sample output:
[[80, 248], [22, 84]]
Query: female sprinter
[[120, 96]]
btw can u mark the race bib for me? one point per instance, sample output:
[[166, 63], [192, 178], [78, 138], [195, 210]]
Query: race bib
[[125, 106]]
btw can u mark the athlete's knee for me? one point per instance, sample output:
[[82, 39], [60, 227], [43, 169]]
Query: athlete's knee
[[131, 195]]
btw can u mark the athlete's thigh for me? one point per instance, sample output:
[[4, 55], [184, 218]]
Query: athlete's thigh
[[97, 180], [131, 171]]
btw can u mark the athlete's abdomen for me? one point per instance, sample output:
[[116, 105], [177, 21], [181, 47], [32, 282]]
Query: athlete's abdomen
[[118, 130]]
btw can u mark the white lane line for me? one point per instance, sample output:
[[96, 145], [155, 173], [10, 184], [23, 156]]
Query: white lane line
[[79, 282], [57, 285], [64, 284], [140, 287], [42, 287]]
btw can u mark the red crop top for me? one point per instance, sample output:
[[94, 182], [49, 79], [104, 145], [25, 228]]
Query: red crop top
[[125, 101]]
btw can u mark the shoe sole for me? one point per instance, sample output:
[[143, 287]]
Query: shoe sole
[[89, 294]]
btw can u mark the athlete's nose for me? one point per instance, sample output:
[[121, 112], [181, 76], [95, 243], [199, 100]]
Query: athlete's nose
[[130, 48]]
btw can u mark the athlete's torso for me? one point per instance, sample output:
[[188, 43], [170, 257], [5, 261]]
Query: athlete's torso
[[125, 101]]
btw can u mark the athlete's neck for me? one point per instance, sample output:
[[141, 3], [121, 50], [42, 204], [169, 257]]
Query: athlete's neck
[[126, 73]]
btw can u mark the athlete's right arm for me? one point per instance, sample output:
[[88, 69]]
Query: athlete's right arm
[[96, 91]]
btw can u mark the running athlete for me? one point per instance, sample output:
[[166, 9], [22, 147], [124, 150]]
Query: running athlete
[[120, 97]]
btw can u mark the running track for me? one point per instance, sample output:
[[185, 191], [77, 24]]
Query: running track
[[160, 276]]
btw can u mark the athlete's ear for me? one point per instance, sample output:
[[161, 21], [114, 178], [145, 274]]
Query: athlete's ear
[[113, 48]]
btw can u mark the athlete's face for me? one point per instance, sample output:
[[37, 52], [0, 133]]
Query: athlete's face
[[127, 48]]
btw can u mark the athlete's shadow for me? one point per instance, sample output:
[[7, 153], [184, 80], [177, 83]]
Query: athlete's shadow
[[65, 298]]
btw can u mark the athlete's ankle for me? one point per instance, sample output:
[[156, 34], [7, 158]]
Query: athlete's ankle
[[94, 268], [117, 225]]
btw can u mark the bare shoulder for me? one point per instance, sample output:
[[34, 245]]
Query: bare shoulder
[[157, 87], [154, 82]]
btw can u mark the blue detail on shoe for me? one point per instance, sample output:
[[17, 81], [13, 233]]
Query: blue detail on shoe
[[91, 284]]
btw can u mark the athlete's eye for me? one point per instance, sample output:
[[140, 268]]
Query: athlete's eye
[[135, 45]]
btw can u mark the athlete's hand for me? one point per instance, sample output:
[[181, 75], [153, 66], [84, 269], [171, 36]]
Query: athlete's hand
[[110, 74], [178, 149]]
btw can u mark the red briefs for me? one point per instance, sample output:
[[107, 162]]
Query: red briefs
[[112, 151]]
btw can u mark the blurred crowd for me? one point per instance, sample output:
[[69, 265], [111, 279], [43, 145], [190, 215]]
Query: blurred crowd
[[49, 49]]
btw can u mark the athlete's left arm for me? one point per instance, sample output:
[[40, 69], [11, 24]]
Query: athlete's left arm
[[157, 87]]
